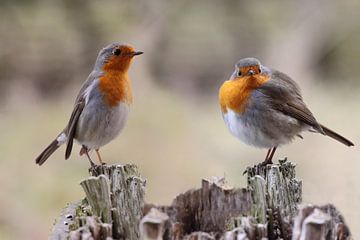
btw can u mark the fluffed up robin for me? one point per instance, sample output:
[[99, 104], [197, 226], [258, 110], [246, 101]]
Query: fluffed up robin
[[264, 108], [102, 105]]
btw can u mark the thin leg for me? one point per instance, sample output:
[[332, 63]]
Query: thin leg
[[268, 153], [86, 151], [269, 156], [272, 154], [99, 157], [91, 162]]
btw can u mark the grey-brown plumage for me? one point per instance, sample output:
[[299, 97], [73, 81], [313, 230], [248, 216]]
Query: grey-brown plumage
[[71, 127], [274, 113], [46, 153], [285, 97], [102, 105]]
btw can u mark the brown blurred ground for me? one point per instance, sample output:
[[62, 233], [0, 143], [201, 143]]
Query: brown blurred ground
[[175, 133]]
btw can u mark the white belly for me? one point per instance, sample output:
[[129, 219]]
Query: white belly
[[254, 134], [98, 125]]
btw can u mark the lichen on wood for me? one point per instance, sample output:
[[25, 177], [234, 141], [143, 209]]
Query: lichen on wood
[[267, 209], [276, 194], [61, 227], [127, 198], [112, 208], [97, 192]]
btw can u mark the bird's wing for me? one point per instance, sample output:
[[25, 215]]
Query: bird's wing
[[283, 94], [91, 78], [71, 127], [78, 108]]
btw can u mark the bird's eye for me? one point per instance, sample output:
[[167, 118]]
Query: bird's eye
[[259, 70], [239, 73], [117, 51]]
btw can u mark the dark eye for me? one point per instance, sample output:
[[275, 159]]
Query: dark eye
[[239, 73], [117, 51], [259, 70]]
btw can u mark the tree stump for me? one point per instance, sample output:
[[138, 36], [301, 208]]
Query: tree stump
[[112, 208], [268, 208]]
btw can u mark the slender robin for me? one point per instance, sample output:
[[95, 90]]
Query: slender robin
[[102, 105], [263, 107]]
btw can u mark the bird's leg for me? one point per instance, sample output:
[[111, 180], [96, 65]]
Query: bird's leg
[[99, 157], [86, 151], [269, 156], [91, 162]]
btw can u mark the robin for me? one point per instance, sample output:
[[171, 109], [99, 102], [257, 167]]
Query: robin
[[102, 105], [263, 107]]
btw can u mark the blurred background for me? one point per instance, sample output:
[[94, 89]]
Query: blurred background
[[175, 132]]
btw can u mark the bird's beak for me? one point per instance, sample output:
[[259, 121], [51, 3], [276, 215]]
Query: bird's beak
[[251, 72], [136, 53]]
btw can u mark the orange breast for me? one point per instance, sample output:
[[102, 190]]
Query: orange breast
[[234, 94], [116, 87]]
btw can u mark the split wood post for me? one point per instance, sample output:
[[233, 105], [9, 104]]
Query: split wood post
[[268, 208], [112, 208]]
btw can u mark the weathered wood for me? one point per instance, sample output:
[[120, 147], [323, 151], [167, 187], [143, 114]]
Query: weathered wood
[[317, 223], [112, 208], [264, 210], [276, 194], [61, 227], [198, 212], [127, 198], [92, 228], [268, 208], [210, 207], [97, 190], [152, 225]]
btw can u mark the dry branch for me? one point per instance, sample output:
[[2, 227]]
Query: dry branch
[[268, 208]]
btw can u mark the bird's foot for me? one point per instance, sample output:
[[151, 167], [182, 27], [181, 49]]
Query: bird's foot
[[266, 162], [92, 164]]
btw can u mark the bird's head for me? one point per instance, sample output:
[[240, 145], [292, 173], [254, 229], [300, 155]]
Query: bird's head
[[247, 67], [116, 57]]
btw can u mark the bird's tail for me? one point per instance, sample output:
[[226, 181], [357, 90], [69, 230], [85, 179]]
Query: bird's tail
[[53, 146], [336, 136]]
